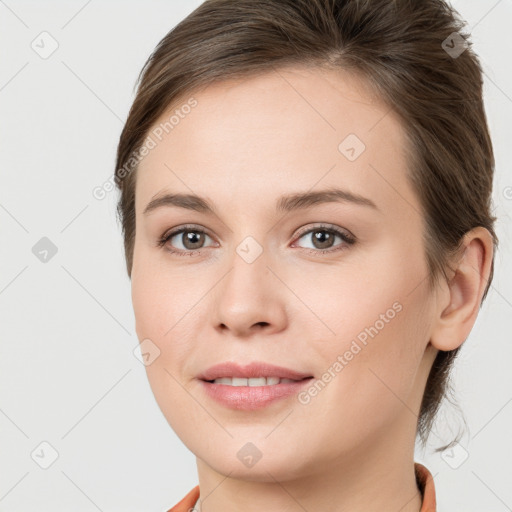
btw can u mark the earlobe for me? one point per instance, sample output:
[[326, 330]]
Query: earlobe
[[459, 300]]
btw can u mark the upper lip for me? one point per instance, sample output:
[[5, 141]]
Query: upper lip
[[252, 370]]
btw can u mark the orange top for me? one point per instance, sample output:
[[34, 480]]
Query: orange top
[[424, 480]]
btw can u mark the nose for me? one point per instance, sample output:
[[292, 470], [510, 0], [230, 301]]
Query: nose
[[250, 298]]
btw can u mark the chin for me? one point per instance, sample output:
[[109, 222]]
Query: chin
[[257, 461]]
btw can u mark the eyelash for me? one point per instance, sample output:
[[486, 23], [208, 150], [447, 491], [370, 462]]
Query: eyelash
[[347, 239]]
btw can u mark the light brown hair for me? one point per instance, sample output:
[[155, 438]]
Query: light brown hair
[[397, 46]]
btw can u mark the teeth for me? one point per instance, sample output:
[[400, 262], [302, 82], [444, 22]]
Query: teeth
[[257, 381]]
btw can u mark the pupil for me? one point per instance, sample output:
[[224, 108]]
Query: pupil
[[193, 238], [324, 237]]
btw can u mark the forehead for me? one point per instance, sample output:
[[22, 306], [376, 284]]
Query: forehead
[[275, 133]]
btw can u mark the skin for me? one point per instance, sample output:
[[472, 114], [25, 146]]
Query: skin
[[245, 144]]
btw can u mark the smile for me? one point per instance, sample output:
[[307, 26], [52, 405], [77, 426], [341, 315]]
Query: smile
[[256, 381]]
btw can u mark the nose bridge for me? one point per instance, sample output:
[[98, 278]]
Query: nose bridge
[[247, 294], [248, 275]]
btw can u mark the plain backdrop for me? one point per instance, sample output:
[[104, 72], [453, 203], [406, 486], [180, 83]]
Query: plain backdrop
[[80, 429]]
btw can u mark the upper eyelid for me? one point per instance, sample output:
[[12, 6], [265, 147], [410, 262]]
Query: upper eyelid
[[187, 227], [325, 226]]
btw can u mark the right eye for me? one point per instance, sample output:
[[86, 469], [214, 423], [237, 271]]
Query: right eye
[[191, 239]]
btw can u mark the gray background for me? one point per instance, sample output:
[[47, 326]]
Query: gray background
[[68, 373]]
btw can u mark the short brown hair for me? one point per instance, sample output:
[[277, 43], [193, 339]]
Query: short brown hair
[[401, 48]]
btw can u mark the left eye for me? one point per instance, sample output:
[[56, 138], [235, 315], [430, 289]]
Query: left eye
[[323, 238]]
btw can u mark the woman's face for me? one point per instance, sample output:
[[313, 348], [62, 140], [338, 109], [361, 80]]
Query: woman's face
[[335, 289]]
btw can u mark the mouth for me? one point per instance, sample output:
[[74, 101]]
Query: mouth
[[252, 386], [254, 381], [255, 374], [254, 392]]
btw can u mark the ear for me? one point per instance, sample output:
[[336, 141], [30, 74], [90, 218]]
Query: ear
[[459, 300]]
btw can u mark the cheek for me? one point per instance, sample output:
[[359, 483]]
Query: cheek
[[157, 297], [370, 387], [157, 317], [147, 306], [165, 309], [343, 302], [372, 362]]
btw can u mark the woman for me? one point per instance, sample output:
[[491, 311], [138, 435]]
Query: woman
[[305, 202]]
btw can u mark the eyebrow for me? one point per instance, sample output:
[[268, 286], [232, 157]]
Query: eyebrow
[[285, 204]]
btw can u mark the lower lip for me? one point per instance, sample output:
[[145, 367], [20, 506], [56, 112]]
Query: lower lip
[[250, 398]]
